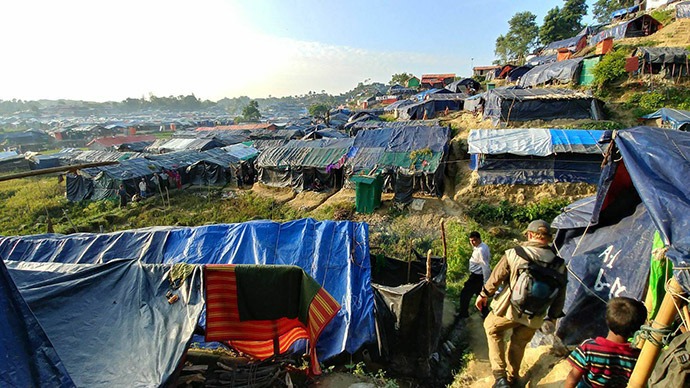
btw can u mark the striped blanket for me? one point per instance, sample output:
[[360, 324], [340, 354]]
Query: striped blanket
[[262, 310]]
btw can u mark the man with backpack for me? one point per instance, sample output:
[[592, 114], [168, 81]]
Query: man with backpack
[[533, 280]]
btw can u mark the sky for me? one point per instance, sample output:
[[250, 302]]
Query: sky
[[108, 50]]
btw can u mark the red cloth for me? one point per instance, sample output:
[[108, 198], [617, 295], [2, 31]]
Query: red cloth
[[260, 338]]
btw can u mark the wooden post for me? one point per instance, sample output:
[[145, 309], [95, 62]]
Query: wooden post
[[650, 351], [428, 266], [443, 239]]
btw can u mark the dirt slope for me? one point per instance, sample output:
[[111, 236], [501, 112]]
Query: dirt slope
[[543, 366]]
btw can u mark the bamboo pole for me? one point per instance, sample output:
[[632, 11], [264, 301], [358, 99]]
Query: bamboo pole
[[428, 265], [53, 170], [443, 239], [650, 351]]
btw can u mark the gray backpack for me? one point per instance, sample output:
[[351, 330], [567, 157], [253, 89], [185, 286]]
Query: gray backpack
[[537, 285], [673, 366]]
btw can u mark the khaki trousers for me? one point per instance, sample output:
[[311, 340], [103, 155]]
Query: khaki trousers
[[502, 364]]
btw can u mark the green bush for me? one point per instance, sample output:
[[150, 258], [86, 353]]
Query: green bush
[[504, 212], [647, 102], [663, 16], [611, 68]]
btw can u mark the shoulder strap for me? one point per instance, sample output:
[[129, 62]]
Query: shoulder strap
[[520, 251]]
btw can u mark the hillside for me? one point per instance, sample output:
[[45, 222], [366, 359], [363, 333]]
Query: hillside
[[500, 211]]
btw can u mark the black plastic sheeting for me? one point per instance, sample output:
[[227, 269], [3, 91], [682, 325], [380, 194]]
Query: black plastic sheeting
[[130, 335], [663, 55], [513, 169], [516, 104], [463, 85], [409, 312], [405, 183], [564, 72], [629, 29], [569, 43], [29, 358], [518, 72]]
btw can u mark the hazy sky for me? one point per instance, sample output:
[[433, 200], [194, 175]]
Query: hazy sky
[[101, 50]]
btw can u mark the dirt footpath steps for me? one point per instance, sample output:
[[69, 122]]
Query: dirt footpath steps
[[542, 366]]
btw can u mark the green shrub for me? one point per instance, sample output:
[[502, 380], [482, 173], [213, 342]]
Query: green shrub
[[611, 68], [663, 16]]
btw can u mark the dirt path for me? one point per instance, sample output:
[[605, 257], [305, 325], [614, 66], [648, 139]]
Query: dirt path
[[542, 366]]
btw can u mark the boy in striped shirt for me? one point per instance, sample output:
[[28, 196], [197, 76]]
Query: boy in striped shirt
[[609, 362]]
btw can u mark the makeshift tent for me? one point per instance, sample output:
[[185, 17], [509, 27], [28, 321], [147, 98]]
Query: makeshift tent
[[431, 106], [14, 163], [189, 144], [607, 240], [335, 254], [463, 85], [409, 309], [98, 183], [672, 60], [683, 10], [299, 163], [516, 104], [563, 72], [573, 44], [417, 111], [410, 158], [398, 104], [518, 72], [29, 358], [640, 26], [542, 59], [110, 323], [535, 156], [673, 118]]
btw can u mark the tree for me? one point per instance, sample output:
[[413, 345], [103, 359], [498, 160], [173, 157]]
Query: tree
[[602, 9], [563, 23], [251, 111], [319, 110], [520, 39], [399, 79]]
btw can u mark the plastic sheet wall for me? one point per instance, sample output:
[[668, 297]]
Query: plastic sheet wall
[[335, 254]]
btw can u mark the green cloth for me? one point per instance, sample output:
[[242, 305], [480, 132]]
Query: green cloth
[[269, 292], [659, 272], [405, 160]]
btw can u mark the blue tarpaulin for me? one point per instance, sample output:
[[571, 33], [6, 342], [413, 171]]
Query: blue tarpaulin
[[607, 241], [111, 324], [675, 117], [535, 155], [28, 357], [335, 254]]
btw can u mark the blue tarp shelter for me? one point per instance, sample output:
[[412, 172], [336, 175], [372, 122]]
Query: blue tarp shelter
[[624, 11], [110, 324], [607, 239], [675, 118], [29, 358], [335, 254], [535, 156]]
